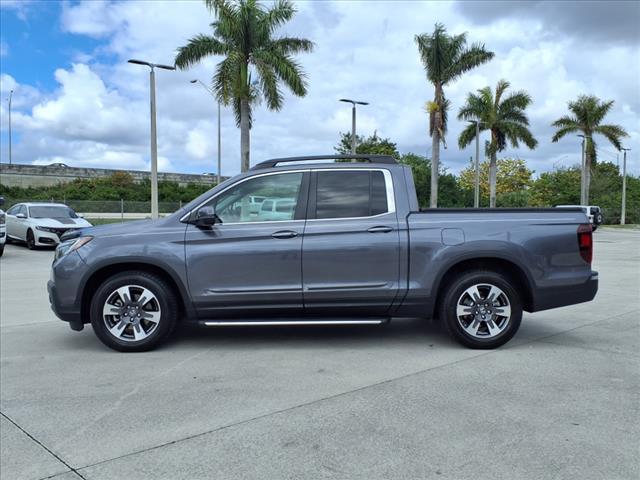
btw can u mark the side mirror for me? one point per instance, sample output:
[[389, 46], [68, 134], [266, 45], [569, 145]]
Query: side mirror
[[206, 218], [21, 215], [1, 201]]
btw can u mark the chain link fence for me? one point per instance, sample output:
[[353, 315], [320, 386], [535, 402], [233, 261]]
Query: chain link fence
[[106, 209]]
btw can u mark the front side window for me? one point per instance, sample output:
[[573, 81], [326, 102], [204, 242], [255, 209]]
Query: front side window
[[253, 199], [348, 194], [13, 210]]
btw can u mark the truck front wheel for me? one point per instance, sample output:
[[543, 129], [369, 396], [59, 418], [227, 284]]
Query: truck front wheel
[[133, 311], [481, 309]]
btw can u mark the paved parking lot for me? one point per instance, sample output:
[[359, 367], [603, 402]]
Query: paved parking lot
[[561, 400]]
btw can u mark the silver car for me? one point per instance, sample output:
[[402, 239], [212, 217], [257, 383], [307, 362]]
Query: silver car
[[41, 224]]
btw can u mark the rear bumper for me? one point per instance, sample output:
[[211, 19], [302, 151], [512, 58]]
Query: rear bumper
[[563, 296]]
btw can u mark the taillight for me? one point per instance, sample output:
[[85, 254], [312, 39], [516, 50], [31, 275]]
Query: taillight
[[585, 242]]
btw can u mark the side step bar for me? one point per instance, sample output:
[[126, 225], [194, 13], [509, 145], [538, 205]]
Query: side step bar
[[244, 323]]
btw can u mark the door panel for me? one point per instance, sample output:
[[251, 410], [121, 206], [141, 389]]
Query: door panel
[[350, 264], [251, 264], [245, 269], [348, 269]]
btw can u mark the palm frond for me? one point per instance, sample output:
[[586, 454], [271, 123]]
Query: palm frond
[[291, 45], [567, 122], [281, 12], [563, 131], [613, 133], [467, 136], [197, 48], [500, 89], [468, 59]]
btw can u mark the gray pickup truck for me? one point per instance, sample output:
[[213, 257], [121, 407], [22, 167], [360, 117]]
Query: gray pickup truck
[[343, 242]]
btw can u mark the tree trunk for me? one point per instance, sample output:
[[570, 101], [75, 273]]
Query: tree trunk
[[492, 180], [587, 174], [244, 135], [435, 163]]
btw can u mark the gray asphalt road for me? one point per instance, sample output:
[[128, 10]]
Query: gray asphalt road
[[561, 400]]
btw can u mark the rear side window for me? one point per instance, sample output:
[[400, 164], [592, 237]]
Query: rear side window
[[345, 194]]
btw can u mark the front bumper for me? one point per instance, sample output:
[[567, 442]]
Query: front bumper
[[45, 238], [71, 315], [65, 289], [568, 295]]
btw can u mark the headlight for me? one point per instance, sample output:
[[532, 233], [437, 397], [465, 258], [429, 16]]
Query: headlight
[[46, 229], [71, 246]]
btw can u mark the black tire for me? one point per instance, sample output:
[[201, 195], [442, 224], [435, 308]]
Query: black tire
[[1, 249], [594, 227], [31, 240], [166, 302], [454, 292]]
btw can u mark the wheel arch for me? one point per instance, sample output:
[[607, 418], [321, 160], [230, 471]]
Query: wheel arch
[[100, 274], [511, 269]]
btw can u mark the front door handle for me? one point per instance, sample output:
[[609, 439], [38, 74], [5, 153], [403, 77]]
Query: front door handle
[[380, 229], [284, 234]]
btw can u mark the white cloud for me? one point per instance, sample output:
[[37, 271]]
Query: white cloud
[[99, 115]]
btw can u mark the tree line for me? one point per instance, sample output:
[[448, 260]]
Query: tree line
[[515, 186], [256, 61]]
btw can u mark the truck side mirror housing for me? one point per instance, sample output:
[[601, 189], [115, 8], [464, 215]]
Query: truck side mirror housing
[[206, 217]]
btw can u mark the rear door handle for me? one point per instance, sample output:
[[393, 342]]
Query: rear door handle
[[284, 234], [380, 229]]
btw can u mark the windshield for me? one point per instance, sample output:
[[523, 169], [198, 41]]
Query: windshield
[[52, 212]]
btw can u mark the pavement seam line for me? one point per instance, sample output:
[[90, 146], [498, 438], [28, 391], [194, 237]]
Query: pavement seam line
[[9, 419], [59, 475]]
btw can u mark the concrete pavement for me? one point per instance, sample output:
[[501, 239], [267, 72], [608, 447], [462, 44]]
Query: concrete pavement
[[561, 400]]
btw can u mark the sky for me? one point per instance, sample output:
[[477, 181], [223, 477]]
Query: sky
[[76, 100]]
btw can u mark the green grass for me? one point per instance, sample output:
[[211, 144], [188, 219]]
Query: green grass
[[107, 221], [633, 226]]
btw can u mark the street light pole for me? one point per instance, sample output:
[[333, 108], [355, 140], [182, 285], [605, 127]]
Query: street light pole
[[353, 120], [582, 173], [154, 137], [476, 185], [219, 136], [623, 210], [10, 97]]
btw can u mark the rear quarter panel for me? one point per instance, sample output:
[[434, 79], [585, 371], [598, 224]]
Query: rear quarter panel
[[542, 243]]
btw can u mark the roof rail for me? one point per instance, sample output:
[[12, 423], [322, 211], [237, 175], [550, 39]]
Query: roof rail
[[358, 156]]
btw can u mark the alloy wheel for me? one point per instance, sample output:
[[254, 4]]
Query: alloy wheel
[[483, 311], [131, 313]]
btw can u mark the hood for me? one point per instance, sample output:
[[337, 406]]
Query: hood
[[125, 228], [62, 222]]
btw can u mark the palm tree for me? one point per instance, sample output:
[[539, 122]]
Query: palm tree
[[588, 112], [504, 116], [255, 59], [445, 58]]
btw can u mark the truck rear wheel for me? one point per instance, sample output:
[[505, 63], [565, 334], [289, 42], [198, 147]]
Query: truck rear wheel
[[133, 311], [481, 309]]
